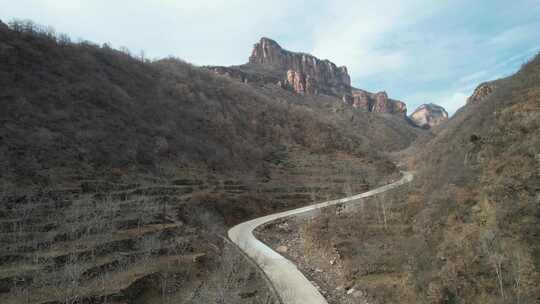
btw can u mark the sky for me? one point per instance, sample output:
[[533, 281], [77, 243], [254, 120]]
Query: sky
[[419, 51]]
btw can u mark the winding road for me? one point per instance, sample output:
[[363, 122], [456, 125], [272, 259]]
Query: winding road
[[290, 284]]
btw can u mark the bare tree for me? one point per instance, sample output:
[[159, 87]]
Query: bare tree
[[125, 50], [66, 284], [517, 274], [164, 287], [142, 56], [491, 245], [64, 39]]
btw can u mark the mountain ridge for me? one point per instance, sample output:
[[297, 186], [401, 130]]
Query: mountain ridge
[[306, 74]]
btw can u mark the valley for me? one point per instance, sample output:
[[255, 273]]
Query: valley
[[130, 180]]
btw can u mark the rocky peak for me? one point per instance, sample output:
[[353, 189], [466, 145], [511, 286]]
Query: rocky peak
[[429, 115], [306, 74], [267, 51], [481, 92], [324, 76]]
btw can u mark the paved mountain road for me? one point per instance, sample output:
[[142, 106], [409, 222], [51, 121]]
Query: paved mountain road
[[291, 285]]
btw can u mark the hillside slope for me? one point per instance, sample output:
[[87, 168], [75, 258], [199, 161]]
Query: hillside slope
[[467, 230], [479, 180], [119, 176], [73, 104]]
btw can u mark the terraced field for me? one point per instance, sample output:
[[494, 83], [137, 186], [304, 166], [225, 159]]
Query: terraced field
[[145, 239]]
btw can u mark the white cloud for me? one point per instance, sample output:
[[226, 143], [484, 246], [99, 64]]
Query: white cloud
[[352, 32]]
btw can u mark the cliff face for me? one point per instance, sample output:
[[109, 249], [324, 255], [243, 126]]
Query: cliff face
[[429, 115], [305, 74], [378, 102]]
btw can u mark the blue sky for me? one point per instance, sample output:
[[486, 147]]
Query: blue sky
[[418, 51]]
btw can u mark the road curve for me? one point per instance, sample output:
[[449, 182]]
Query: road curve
[[290, 284]]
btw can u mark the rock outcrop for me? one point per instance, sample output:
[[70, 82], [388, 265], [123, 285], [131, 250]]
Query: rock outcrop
[[429, 115], [304, 73], [362, 100], [481, 92], [301, 83], [378, 102]]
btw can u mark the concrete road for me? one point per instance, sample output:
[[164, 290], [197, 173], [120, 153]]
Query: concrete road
[[291, 285]]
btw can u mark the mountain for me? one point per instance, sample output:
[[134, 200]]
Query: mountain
[[481, 177], [306, 74], [466, 230], [120, 175], [429, 115]]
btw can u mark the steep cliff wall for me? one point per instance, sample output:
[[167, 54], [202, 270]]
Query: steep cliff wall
[[305, 74]]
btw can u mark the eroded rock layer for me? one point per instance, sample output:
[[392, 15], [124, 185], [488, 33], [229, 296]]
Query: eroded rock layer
[[375, 102], [302, 70], [306, 74]]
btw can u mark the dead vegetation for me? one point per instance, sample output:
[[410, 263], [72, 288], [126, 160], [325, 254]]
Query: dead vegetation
[[465, 231]]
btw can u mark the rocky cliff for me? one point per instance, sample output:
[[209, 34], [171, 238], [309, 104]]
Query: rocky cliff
[[375, 102], [306, 74], [429, 115]]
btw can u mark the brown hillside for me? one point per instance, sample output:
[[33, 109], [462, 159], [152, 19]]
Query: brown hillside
[[120, 176], [466, 230]]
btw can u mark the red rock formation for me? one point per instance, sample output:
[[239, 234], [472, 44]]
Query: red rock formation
[[325, 76], [429, 115], [481, 92], [307, 75], [362, 100], [301, 83], [297, 81], [398, 107], [267, 51], [378, 102], [381, 104]]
